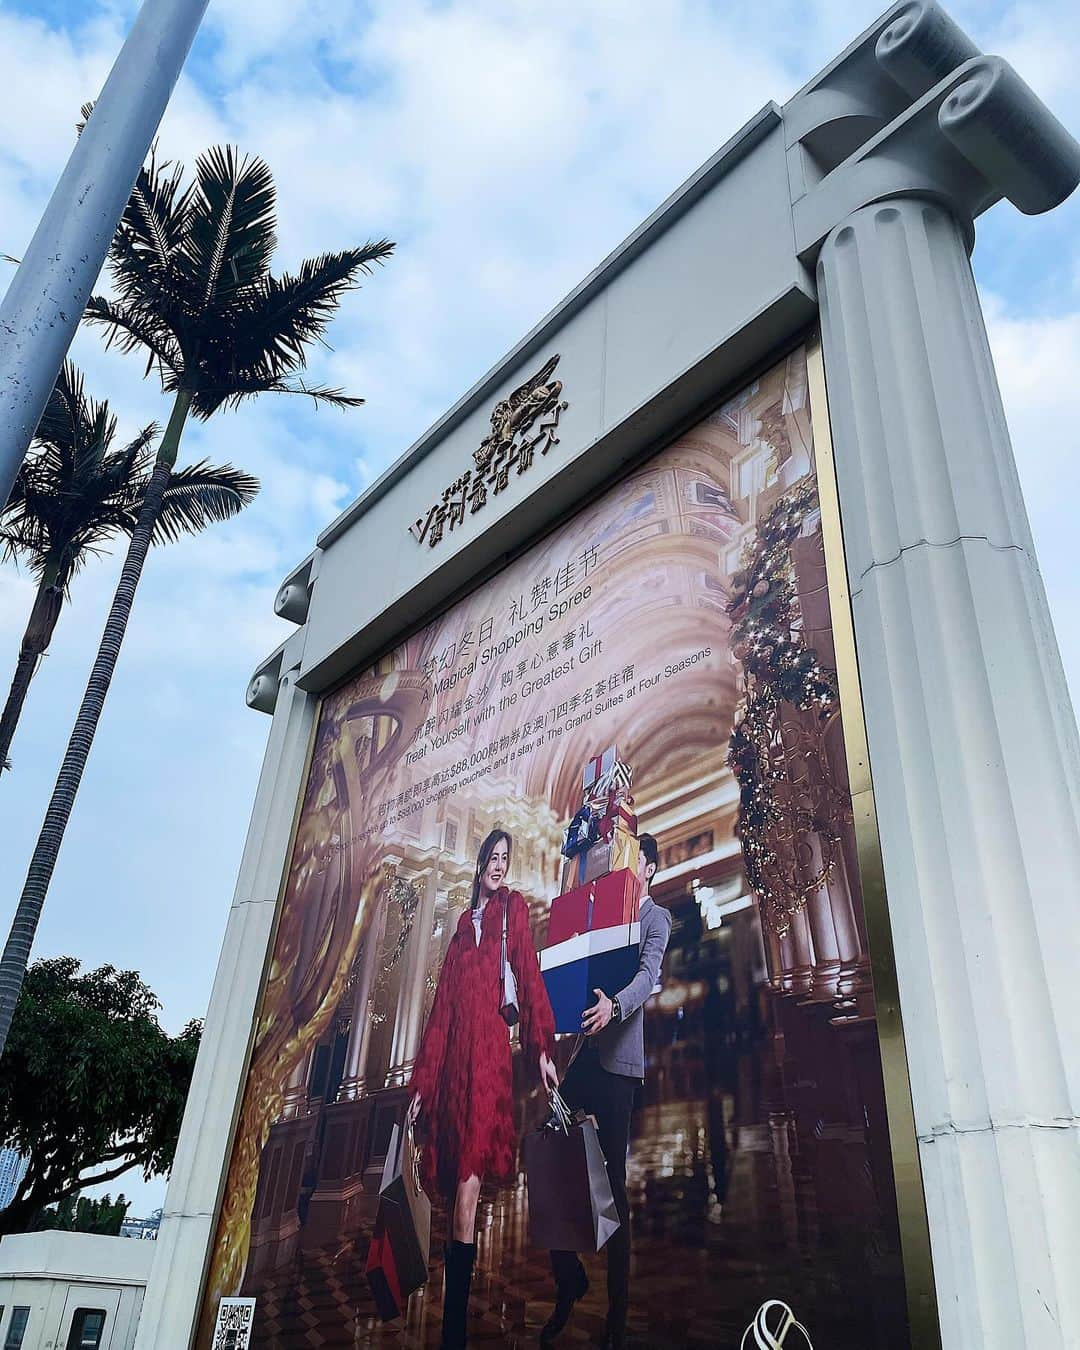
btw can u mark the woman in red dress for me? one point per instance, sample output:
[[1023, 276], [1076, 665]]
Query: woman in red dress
[[462, 1084]]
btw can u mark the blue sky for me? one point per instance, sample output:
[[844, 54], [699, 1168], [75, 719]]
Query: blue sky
[[507, 147]]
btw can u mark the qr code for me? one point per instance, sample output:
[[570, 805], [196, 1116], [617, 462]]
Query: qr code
[[235, 1320]]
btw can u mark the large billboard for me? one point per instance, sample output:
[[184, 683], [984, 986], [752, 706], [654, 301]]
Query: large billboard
[[671, 643]]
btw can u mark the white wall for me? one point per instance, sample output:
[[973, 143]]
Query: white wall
[[54, 1273], [679, 310]]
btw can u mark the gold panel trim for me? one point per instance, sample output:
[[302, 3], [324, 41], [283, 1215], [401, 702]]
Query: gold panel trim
[[907, 1169]]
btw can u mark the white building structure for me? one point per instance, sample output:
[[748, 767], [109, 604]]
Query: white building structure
[[77, 1290], [852, 208]]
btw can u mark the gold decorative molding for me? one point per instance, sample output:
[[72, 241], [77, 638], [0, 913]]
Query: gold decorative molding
[[907, 1169], [522, 424]]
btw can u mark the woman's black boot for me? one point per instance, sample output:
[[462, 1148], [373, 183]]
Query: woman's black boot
[[459, 1267]]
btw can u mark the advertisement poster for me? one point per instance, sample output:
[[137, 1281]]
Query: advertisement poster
[[668, 647]]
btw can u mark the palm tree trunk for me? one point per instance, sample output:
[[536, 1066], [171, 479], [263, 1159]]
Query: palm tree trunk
[[16, 953], [35, 642]]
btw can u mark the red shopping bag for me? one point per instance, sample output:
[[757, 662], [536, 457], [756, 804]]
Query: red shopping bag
[[397, 1261], [382, 1275]]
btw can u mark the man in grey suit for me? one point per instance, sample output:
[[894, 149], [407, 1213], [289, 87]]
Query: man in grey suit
[[601, 1080]]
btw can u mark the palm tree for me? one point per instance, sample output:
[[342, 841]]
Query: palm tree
[[73, 493], [191, 268]]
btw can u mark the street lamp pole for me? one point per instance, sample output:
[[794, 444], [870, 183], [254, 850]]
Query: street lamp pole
[[47, 296]]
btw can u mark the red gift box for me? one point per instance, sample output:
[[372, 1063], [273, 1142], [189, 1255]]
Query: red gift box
[[616, 899], [569, 914], [607, 902]]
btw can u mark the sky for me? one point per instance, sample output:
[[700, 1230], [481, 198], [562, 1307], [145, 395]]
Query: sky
[[506, 147]]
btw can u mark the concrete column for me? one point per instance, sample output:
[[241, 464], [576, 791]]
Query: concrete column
[[819, 914], [171, 1306], [357, 1084], [797, 955], [358, 1030], [296, 1093], [974, 755]]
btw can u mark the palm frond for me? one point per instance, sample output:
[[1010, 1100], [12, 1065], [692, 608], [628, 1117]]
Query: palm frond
[[19, 538], [130, 326], [156, 212], [287, 314], [67, 419], [200, 495], [136, 453], [195, 292], [271, 327], [230, 230], [153, 214], [73, 492], [209, 399]]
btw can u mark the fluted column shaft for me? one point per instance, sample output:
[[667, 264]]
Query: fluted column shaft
[[354, 1058], [202, 1154], [974, 756], [419, 959]]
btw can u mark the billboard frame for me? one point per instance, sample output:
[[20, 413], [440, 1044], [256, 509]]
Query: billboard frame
[[912, 1215], [914, 1221]]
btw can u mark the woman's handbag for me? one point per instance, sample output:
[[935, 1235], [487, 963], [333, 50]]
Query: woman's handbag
[[571, 1205], [508, 999]]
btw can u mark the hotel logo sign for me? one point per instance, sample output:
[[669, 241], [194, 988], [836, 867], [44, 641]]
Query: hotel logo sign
[[523, 425], [774, 1328]]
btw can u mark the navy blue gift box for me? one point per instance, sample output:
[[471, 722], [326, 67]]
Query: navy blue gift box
[[606, 958]]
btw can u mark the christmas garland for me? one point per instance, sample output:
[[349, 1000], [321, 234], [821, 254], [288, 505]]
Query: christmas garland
[[403, 900], [778, 668]]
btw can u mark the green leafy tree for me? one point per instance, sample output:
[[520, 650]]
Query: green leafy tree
[[90, 1084], [73, 493], [194, 292], [83, 1215]]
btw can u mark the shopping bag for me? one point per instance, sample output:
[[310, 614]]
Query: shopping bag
[[403, 1221], [382, 1276], [571, 1207]]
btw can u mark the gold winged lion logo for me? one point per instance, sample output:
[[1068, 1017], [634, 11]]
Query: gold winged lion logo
[[517, 412]]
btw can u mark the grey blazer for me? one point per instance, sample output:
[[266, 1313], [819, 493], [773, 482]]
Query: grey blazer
[[621, 1045]]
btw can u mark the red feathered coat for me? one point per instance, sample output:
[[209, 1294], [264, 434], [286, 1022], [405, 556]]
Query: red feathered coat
[[463, 1069]]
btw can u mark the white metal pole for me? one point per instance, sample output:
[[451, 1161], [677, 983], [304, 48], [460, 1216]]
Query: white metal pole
[[47, 296]]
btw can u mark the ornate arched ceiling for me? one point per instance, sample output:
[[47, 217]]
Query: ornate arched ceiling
[[623, 610]]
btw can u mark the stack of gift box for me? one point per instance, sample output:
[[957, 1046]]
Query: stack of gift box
[[593, 936]]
